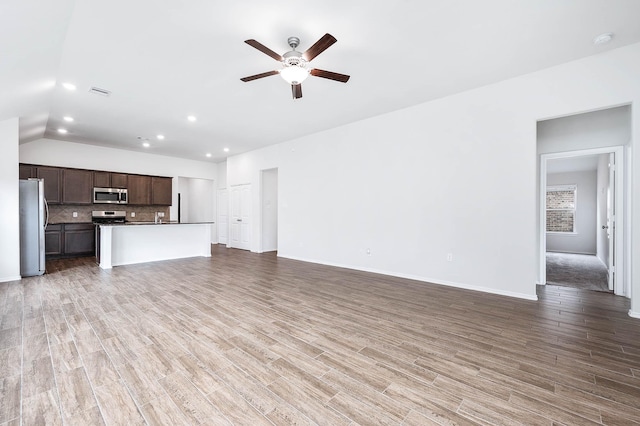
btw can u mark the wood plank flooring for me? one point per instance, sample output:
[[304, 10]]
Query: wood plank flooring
[[251, 339]]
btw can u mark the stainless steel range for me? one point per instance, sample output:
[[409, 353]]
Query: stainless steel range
[[108, 216], [103, 217]]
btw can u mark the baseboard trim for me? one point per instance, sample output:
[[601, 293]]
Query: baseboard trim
[[634, 314], [7, 279], [572, 252], [426, 280]]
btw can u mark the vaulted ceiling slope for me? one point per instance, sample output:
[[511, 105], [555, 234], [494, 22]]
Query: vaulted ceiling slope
[[164, 60]]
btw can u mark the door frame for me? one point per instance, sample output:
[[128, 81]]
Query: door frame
[[620, 285], [262, 208], [220, 192]]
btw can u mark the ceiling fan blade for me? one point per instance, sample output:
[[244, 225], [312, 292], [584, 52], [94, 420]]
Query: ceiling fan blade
[[257, 76], [264, 49], [319, 46], [296, 89], [342, 78]]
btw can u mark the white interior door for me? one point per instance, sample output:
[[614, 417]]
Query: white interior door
[[240, 217], [223, 216], [611, 221]]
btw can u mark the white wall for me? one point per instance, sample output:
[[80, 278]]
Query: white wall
[[602, 187], [68, 154], [584, 239], [269, 210], [10, 201], [457, 175], [222, 175]]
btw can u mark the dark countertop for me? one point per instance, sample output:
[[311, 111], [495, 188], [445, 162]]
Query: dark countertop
[[70, 223], [133, 223]]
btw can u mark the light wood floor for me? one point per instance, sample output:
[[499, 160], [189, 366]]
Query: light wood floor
[[251, 339]]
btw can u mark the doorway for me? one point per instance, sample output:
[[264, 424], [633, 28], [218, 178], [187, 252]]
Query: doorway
[[581, 221], [269, 207], [197, 202]]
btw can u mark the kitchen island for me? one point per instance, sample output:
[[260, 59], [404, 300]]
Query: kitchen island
[[129, 243]]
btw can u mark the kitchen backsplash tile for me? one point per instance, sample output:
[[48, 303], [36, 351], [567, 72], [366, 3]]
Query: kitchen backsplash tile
[[64, 214]]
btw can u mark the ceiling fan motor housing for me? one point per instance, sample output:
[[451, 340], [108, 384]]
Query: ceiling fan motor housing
[[294, 60], [293, 42]]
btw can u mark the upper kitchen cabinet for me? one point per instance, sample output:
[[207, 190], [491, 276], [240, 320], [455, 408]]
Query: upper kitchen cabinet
[[139, 189], [118, 180], [161, 191], [27, 171], [52, 183], [102, 179], [77, 186], [109, 180]]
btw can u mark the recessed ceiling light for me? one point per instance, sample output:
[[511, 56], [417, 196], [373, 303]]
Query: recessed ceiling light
[[68, 119], [61, 130], [603, 38], [146, 144], [160, 137], [192, 118], [208, 154], [69, 86], [226, 150]]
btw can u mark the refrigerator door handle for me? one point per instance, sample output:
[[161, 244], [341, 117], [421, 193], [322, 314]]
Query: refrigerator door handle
[[46, 217]]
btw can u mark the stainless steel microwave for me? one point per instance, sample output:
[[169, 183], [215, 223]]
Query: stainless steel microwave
[[110, 196]]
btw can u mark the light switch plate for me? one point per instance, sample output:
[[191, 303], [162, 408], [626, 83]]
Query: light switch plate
[[133, 214], [75, 214]]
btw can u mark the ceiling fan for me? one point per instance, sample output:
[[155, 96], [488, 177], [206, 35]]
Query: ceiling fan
[[295, 65]]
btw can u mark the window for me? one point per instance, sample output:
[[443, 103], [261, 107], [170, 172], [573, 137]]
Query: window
[[561, 208]]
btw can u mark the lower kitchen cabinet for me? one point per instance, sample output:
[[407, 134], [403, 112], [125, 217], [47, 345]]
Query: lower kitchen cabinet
[[79, 239], [53, 240], [70, 240]]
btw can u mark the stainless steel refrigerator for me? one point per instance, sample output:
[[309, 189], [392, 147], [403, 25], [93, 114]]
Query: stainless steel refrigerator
[[33, 221]]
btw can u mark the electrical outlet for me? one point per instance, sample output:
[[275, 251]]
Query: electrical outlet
[[160, 214], [133, 214], [449, 257], [74, 214]]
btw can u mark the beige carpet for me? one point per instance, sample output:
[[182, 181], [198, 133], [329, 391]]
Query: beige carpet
[[576, 270]]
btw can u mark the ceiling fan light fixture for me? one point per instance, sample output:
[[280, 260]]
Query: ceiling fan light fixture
[[294, 74]]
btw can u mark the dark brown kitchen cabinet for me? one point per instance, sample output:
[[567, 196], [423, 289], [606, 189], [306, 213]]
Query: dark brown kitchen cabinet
[[161, 191], [79, 239], [118, 180], [77, 187], [139, 188], [102, 179], [53, 240], [69, 240], [27, 171], [109, 180], [52, 183]]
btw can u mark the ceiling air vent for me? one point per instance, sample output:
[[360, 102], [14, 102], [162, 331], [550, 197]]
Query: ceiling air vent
[[99, 91]]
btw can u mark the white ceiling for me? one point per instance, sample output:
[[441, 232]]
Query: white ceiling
[[164, 60]]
